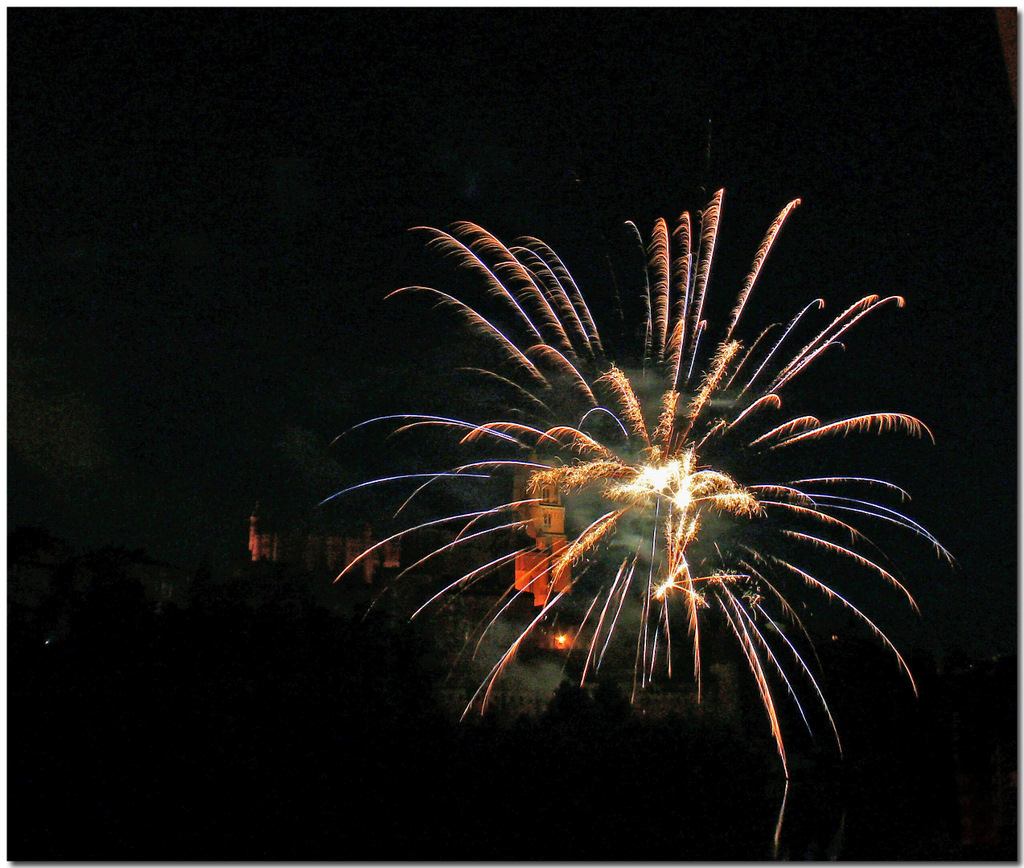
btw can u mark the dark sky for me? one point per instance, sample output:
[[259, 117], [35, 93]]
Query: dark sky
[[206, 208]]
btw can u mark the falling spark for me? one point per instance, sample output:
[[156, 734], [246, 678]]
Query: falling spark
[[685, 474]]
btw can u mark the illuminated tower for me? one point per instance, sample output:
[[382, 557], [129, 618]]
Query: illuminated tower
[[254, 533], [535, 569], [262, 546]]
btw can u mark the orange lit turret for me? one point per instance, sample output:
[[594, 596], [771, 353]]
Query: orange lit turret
[[535, 569], [262, 545]]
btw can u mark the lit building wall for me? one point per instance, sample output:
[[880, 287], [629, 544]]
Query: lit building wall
[[321, 552], [536, 569]]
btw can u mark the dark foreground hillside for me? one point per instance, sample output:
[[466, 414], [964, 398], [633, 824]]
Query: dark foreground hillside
[[285, 732]]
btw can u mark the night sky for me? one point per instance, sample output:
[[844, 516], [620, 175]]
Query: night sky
[[207, 207]]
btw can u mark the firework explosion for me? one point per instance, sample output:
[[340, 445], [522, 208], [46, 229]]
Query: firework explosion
[[676, 461]]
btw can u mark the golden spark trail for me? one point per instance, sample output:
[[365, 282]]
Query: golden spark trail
[[508, 262], [500, 428], [452, 244], [759, 258], [658, 253], [557, 293], [507, 656], [860, 559], [566, 366], [765, 400], [401, 477], [804, 359], [747, 354], [480, 322], [460, 540], [648, 303], [623, 391], [600, 622], [466, 577], [506, 381], [757, 669], [831, 594], [881, 421], [819, 303], [709, 235], [681, 276], [787, 428], [839, 479], [562, 273], [883, 513]]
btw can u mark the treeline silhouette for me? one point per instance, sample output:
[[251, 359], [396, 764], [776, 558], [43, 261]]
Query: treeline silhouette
[[285, 731], [220, 732]]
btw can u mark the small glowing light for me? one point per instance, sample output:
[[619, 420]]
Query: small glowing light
[[561, 640]]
